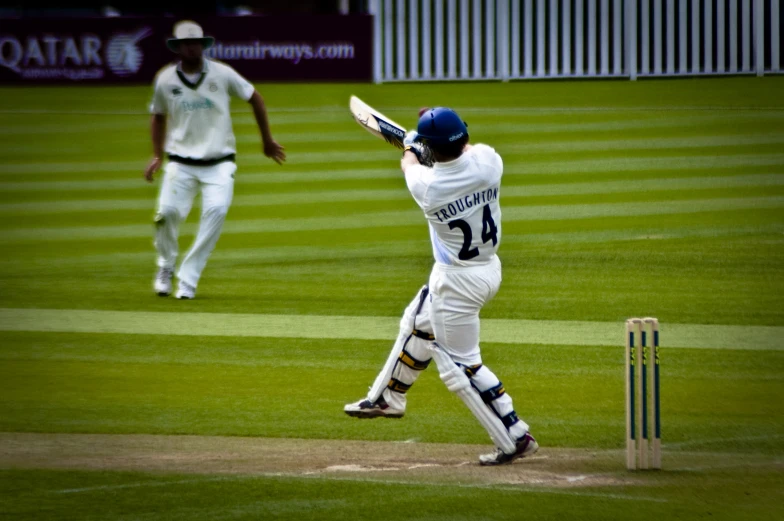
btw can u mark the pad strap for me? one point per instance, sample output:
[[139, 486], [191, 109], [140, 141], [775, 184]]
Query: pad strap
[[493, 393], [510, 419], [471, 370], [398, 386], [423, 335], [412, 362]]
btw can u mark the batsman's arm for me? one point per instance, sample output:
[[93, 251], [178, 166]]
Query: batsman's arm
[[158, 134], [411, 151], [409, 158], [271, 148]]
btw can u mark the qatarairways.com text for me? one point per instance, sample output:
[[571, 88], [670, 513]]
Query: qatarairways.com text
[[293, 52]]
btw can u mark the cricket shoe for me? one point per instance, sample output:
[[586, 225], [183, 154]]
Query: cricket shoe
[[368, 409], [163, 282], [185, 291], [525, 446]]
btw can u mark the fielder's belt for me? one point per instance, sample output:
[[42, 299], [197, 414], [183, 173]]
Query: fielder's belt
[[201, 162]]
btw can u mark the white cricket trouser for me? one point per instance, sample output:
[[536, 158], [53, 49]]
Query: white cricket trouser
[[181, 183], [450, 311], [457, 295]]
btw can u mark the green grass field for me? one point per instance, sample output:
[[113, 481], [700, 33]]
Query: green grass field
[[653, 198]]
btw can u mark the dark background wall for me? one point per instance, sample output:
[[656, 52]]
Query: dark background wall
[[31, 8]]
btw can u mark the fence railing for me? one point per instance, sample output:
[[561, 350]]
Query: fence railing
[[416, 40]]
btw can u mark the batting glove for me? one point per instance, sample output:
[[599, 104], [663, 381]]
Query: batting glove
[[422, 152], [410, 138]]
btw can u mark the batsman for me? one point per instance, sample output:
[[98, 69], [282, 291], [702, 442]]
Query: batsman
[[457, 186]]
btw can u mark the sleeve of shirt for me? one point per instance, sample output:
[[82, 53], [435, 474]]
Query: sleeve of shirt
[[158, 103], [415, 179], [487, 155], [239, 86]]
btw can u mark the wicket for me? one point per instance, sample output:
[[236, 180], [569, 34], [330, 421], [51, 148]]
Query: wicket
[[642, 392]]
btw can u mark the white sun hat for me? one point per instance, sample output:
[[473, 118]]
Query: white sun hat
[[188, 30]]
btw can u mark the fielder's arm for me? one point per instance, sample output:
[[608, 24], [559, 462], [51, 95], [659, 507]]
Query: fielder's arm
[[271, 148], [158, 133]]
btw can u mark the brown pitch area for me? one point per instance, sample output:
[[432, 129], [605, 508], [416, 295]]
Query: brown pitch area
[[342, 459]]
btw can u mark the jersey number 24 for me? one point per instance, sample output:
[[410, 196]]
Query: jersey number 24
[[489, 231]]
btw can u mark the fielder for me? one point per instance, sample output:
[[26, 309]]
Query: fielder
[[459, 195], [190, 112]]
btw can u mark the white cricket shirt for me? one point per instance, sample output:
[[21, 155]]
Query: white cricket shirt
[[460, 200], [199, 119]]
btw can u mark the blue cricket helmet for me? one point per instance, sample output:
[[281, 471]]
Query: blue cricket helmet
[[441, 126]]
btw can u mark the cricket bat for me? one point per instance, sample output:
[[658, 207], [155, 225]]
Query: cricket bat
[[376, 123]]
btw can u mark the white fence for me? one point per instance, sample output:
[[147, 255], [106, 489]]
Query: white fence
[[417, 40]]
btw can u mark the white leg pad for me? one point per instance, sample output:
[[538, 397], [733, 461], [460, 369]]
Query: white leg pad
[[382, 380], [414, 359], [457, 382], [485, 379], [417, 314]]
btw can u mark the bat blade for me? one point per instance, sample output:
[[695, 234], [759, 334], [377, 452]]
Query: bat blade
[[377, 123]]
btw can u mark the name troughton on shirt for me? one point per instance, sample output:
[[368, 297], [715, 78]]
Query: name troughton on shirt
[[460, 205]]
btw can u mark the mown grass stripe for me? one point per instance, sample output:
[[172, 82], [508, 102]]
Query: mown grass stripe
[[80, 126], [483, 118], [356, 139], [390, 248], [252, 200], [403, 218], [505, 331], [308, 197], [540, 109], [273, 175], [487, 120], [589, 211], [634, 164], [620, 121], [645, 143], [126, 166], [481, 110], [139, 122], [243, 177]]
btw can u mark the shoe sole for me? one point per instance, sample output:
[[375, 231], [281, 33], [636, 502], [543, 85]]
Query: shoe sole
[[163, 294], [527, 452], [370, 416]]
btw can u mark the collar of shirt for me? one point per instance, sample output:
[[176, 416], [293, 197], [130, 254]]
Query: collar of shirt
[[452, 166], [186, 79]]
